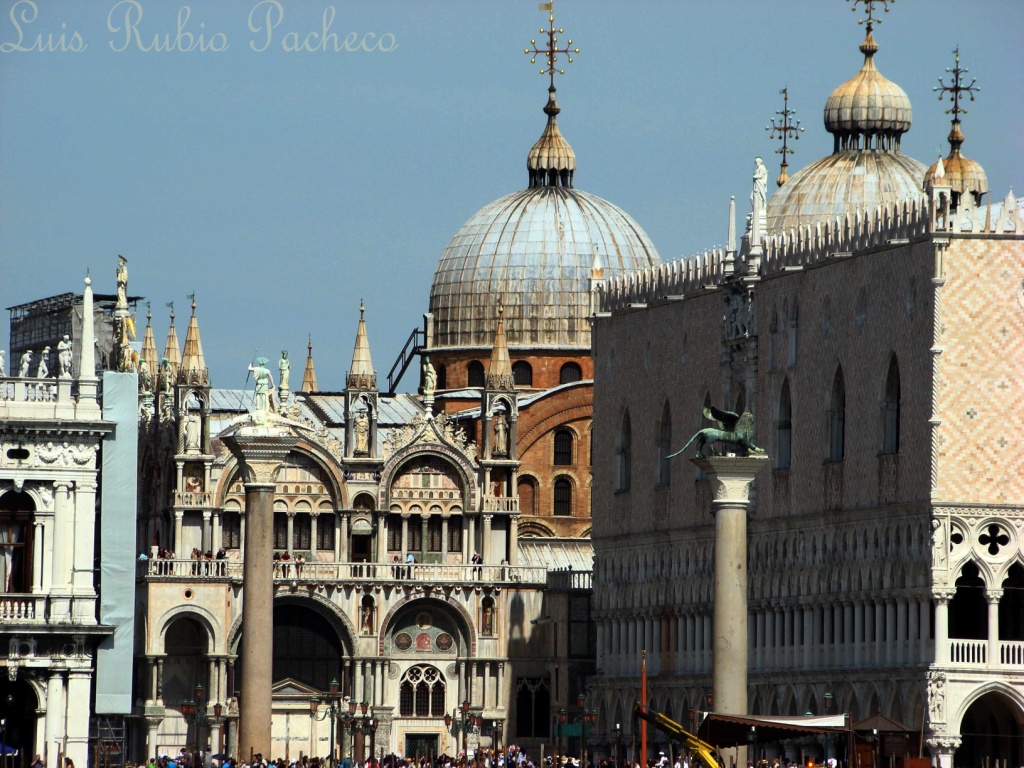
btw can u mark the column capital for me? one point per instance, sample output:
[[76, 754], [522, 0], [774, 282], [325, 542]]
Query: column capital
[[943, 596], [993, 596], [731, 476]]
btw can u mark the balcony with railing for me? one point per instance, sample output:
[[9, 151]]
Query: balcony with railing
[[36, 398], [160, 570], [23, 609], [501, 504]]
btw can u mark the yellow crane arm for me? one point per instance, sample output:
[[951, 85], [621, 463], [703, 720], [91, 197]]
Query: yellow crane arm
[[703, 750]]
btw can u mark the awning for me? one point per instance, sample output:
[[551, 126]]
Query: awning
[[731, 730]]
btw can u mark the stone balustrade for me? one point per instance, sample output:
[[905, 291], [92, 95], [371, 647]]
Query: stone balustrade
[[334, 573], [500, 504], [23, 609]]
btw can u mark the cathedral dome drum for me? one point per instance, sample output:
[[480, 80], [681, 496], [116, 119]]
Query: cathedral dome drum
[[534, 251]]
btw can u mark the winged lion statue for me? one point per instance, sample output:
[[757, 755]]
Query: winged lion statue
[[732, 429]]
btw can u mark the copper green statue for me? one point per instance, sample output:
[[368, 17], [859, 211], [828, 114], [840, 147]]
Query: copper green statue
[[732, 429]]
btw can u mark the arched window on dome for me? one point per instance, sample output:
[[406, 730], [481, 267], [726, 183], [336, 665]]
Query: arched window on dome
[[522, 373], [476, 374], [563, 497], [570, 373], [837, 418], [891, 409], [563, 448], [624, 454], [784, 429]]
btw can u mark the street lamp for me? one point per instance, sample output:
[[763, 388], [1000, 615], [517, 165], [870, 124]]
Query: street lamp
[[752, 744], [828, 707], [195, 713], [333, 700], [463, 719], [365, 724]]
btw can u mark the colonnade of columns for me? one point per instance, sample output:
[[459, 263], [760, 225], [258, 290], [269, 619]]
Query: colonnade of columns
[[800, 635], [63, 728]]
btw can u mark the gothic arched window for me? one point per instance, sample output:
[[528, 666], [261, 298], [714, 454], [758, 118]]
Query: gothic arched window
[[663, 447], [422, 692], [784, 429], [837, 418], [891, 409], [624, 451]]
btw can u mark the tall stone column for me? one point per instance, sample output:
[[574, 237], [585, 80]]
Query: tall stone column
[[731, 477], [260, 449]]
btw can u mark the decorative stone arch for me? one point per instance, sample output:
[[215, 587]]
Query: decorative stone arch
[[1012, 694], [586, 533], [312, 451], [502, 399], [532, 529], [332, 613], [455, 610], [203, 617], [400, 457]]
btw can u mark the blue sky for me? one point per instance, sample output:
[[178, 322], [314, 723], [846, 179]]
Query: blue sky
[[283, 186]]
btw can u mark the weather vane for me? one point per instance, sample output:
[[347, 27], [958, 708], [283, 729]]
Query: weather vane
[[957, 87], [551, 52], [869, 10], [784, 126]]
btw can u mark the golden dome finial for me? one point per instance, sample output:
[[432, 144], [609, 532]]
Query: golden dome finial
[[784, 128], [956, 138], [869, 11]]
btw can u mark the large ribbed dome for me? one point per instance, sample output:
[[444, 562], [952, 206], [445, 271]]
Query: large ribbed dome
[[867, 115], [533, 251]]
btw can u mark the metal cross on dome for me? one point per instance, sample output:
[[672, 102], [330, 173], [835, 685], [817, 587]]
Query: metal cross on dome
[[957, 87], [785, 127], [869, 10], [551, 52]]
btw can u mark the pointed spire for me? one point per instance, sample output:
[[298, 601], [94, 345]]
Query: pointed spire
[[193, 368], [361, 375], [172, 349], [149, 343], [499, 372], [309, 375]]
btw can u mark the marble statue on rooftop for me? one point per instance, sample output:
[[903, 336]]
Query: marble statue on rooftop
[[429, 377], [192, 432], [26, 362], [122, 281], [166, 374], [262, 401], [759, 198], [145, 376], [500, 435], [43, 370], [284, 368], [361, 428], [64, 357]]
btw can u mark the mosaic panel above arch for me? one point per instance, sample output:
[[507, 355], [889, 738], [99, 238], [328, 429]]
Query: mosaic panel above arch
[[425, 629]]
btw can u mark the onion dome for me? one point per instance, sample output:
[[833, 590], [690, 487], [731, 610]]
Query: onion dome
[[961, 173], [551, 161], [867, 114], [868, 106]]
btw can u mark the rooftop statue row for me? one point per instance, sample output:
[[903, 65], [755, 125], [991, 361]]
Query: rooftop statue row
[[42, 365]]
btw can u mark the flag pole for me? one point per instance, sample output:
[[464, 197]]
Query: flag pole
[[643, 703]]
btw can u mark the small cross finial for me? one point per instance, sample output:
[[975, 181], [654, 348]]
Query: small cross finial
[[550, 53], [783, 126], [957, 87], [869, 11]]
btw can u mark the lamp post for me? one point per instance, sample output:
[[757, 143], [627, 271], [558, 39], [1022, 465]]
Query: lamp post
[[618, 743], [332, 699], [195, 712], [362, 723], [752, 744], [828, 708], [463, 719], [579, 716]]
